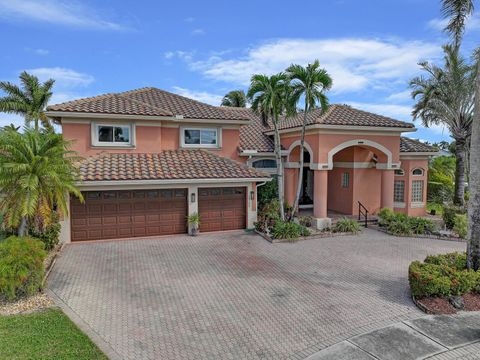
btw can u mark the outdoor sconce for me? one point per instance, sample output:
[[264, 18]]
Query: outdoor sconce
[[192, 197], [252, 195]]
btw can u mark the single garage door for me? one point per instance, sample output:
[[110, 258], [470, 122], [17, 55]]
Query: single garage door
[[222, 208], [126, 214]]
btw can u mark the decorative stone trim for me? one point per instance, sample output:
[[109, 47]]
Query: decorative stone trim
[[323, 235], [419, 236]]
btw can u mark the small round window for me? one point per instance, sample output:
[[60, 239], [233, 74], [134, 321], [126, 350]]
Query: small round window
[[417, 172]]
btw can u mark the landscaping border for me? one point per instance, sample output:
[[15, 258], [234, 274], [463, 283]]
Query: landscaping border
[[310, 237], [419, 236]]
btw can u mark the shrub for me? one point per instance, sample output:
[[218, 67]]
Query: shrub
[[289, 230], [50, 234], [385, 216], [454, 260], [269, 214], [267, 193], [347, 225], [443, 275], [419, 225], [460, 225], [400, 226], [305, 221], [449, 213], [21, 267]]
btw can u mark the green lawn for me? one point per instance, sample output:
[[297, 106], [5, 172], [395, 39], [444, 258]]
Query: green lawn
[[47, 334]]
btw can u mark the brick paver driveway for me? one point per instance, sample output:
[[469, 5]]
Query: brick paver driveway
[[236, 296]]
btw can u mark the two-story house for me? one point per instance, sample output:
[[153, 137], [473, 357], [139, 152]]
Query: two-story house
[[152, 157]]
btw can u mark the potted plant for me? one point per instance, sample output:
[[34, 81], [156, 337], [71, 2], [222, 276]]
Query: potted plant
[[193, 224]]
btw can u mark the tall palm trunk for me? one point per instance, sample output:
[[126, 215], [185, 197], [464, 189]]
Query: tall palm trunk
[[300, 171], [460, 154], [22, 229], [280, 180], [473, 248]]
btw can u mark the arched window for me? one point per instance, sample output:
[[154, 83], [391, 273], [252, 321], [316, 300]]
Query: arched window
[[399, 172], [264, 164], [417, 172]]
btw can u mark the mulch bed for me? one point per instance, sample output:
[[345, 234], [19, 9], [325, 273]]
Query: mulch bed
[[441, 306], [472, 302]]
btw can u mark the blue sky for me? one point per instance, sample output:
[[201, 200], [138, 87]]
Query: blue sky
[[203, 49]]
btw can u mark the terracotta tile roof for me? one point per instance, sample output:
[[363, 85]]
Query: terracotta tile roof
[[411, 145], [149, 102], [344, 115], [166, 165], [252, 136]]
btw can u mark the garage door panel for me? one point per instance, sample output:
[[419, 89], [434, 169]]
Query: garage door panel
[[117, 214], [222, 209]]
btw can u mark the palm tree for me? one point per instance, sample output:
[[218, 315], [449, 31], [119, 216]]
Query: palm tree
[[269, 98], [37, 174], [457, 12], [445, 96], [309, 83], [30, 100], [235, 98]]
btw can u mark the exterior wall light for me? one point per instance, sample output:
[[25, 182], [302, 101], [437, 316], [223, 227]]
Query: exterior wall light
[[192, 197], [252, 195]]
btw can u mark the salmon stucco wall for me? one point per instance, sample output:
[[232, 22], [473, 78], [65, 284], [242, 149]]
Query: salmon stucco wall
[[148, 139], [340, 199]]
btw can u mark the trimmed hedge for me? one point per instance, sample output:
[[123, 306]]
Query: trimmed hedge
[[21, 267], [449, 214], [442, 275]]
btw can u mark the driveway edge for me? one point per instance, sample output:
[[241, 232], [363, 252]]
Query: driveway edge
[[105, 347]]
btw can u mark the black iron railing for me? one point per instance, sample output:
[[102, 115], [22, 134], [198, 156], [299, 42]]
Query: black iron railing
[[362, 211]]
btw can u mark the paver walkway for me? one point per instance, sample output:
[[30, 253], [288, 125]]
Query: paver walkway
[[235, 295], [428, 337]]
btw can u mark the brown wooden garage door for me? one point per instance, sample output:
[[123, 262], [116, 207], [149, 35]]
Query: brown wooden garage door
[[222, 208], [125, 214]]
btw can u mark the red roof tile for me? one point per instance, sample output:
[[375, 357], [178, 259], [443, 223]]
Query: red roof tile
[[166, 165]]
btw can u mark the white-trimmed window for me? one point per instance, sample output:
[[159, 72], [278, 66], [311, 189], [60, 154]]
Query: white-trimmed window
[[200, 137], [112, 135], [399, 191], [345, 180], [417, 191], [399, 172], [417, 172]]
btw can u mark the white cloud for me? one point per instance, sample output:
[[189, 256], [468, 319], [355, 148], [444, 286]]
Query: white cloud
[[354, 64], [400, 112], [42, 52], [63, 77], [198, 32], [401, 96], [203, 96], [60, 12], [473, 23]]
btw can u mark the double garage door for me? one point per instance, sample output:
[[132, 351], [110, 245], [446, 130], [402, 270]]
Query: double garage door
[[140, 213]]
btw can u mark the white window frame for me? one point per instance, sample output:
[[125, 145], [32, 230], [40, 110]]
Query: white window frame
[[218, 133], [96, 142], [402, 172], [423, 172]]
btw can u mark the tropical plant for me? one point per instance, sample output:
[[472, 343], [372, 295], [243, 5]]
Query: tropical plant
[[269, 98], [30, 100], [445, 97], [441, 179], [308, 84], [235, 98], [346, 225], [193, 221], [461, 225], [37, 174], [267, 193], [289, 230], [457, 12]]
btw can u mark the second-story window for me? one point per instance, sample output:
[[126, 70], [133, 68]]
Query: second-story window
[[199, 137], [112, 135]]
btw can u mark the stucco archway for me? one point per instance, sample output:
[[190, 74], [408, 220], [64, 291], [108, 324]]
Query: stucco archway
[[359, 142]]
